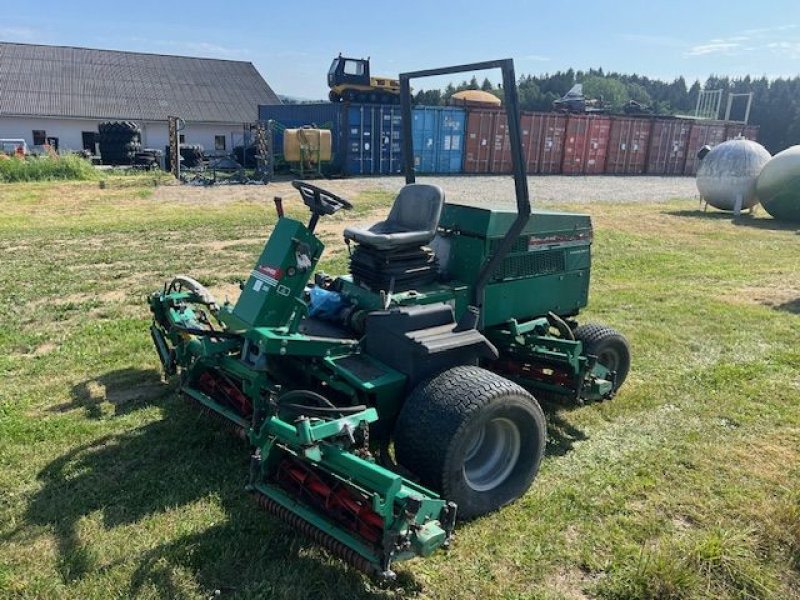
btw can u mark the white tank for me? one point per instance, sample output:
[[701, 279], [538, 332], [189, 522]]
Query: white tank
[[727, 175]]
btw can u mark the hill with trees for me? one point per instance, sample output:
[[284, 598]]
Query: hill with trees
[[776, 102]]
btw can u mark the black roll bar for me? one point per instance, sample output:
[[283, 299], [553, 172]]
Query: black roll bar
[[515, 137]]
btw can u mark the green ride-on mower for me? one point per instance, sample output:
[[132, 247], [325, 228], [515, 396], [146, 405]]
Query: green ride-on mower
[[387, 403]]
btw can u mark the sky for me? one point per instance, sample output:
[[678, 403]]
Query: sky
[[292, 43]]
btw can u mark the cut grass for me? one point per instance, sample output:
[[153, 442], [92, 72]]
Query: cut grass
[[683, 486]]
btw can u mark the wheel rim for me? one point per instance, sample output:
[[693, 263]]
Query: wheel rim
[[492, 454], [609, 358]]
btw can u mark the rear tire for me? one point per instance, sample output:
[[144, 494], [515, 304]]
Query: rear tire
[[609, 346], [472, 435]]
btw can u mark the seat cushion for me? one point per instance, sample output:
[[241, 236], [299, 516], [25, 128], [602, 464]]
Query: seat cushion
[[387, 241], [411, 222]]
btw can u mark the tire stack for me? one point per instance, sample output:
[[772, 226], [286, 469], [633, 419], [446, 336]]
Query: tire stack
[[148, 158], [191, 156], [119, 142]]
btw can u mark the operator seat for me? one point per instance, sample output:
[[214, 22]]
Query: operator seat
[[393, 255], [411, 222]]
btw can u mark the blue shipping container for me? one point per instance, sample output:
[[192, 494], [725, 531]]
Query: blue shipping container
[[325, 115], [372, 139], [438, 138]]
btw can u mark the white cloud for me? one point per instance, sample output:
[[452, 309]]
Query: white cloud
[[713, 47], [788, 49], [757, 40], [760, 31]]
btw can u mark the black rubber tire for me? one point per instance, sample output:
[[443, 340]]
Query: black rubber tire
[[439, 421], [610, 347]]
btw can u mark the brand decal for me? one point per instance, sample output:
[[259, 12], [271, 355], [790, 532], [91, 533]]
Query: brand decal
[[552, 240]]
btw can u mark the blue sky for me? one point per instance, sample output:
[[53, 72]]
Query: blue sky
[[292, 43]]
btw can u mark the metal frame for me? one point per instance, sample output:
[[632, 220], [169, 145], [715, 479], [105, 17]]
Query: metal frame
[[517, 161], [708, 104], [731, 97]]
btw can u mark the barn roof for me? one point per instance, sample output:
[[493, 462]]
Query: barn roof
[[60, 81]]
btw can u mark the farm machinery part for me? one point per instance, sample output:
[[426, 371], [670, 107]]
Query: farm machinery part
[[383, 403]]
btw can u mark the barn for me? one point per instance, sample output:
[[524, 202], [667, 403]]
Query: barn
[[58, 95]]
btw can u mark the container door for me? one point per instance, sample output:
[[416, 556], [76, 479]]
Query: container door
[[423, 130], [450, 130], [500, 161], [552, 152], [628, 146], [359, 140], [387, 144], [575, 145], [479, 128], [597, 144], [531, 141]]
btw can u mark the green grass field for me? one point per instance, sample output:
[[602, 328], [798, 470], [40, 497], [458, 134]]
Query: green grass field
[[686, 485]]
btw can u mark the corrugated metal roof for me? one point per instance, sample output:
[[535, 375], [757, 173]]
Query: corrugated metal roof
[[59, 81]]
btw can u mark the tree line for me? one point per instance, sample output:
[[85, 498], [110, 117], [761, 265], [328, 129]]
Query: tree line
[[775, 107]]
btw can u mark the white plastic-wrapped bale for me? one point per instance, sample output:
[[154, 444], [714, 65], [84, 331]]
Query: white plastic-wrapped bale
[[727, 175]]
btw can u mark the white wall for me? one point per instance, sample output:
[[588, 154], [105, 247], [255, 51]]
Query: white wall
[[68, 131], [154, 133]]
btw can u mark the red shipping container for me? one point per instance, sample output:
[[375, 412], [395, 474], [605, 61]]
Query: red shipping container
[[668, 142], [586, 144], [488, 148], [543, 141], [748, 132], [483, 150], [627, 146], [704, 133]]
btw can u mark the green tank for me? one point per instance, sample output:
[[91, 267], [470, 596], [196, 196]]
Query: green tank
[[778, 185]]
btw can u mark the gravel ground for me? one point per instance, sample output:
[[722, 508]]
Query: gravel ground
[[553, 189], [558, 189]]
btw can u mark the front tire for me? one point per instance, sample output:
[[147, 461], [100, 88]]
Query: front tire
[[472, 435], [609, 346]]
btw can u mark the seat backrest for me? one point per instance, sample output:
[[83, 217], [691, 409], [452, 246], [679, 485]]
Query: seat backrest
[[417, 207]]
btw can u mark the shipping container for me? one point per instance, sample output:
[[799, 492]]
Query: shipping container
[[372, 139], [627, 147], [704, 133], [748, 132], [438, 138], [586, 144], [543, 141], [324, 115], [669, 139], [488, 148]]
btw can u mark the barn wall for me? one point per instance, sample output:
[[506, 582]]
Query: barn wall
[[154, 133], [68, 131]]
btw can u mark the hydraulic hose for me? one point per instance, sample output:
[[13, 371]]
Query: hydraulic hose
[[322, 407]]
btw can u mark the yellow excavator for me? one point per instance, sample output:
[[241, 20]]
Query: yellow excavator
[[350, 81]]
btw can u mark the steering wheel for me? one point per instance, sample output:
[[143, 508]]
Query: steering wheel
[[321, 202]]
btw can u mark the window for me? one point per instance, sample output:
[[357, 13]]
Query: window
[[181, 139], [219, 142], [39, 137], [88, 139], [353, 67]]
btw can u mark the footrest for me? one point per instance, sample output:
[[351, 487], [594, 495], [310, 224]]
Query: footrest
[[420, 341]]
